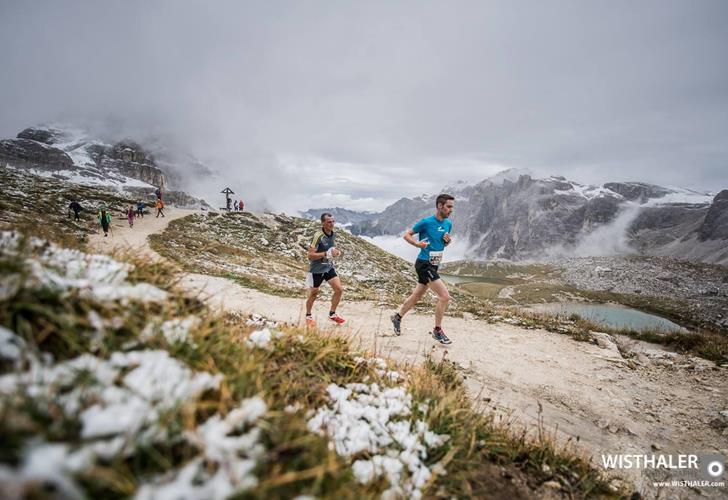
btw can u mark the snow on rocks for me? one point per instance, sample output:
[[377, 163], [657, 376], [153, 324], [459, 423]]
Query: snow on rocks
[[368, 419], [224, 445], [96, 277]]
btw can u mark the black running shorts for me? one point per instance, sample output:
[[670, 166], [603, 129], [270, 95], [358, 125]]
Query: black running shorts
[[426, 272], [319, 278]]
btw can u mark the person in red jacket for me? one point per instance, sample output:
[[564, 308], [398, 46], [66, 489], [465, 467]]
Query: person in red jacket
[[160, 208]]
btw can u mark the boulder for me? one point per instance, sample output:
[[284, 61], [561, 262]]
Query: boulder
[[607, 342]]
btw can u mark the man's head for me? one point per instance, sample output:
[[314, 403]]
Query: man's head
[[444, 204], [327, 222]]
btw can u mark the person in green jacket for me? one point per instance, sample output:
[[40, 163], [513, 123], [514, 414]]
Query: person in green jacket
[[105, 220]]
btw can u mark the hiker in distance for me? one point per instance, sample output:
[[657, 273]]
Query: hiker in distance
[[76, 207], [130, 215], [433, 236], [105, 220], [321, 255], [160, 207]]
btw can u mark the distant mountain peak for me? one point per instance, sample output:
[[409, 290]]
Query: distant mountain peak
[[515, 216], [509, 174]]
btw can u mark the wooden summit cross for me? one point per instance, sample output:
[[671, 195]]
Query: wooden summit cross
[[227, 192]]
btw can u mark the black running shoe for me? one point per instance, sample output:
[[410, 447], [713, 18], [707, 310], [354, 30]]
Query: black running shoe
[[439, 335], [396, 324]]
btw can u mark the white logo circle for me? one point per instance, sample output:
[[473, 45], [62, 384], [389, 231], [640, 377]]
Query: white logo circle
[[716, 468]]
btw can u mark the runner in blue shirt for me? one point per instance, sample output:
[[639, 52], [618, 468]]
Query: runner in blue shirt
[[433, 236]]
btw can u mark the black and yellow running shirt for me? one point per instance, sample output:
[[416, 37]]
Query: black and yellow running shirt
[[322, 242]]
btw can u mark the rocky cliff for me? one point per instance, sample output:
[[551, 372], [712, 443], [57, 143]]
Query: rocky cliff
[[715, 223], [70, 153], [520, 217], [29, 153]]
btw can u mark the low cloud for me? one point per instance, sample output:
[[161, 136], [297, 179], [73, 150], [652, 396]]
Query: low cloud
[[390, 99]]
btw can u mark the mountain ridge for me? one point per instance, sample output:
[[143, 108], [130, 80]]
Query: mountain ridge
[[68, 153], [527, 218]]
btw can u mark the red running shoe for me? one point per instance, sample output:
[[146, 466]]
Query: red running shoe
[[337, 319]]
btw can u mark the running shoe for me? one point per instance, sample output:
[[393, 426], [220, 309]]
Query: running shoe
[[310, 322], [337, 319], [439, 335], [396, 323]]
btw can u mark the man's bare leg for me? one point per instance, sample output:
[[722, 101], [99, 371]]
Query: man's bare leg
[[417, 294], [338, 292], [312, 293], [443, 297]]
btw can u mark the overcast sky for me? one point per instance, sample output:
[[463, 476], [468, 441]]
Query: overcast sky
[[308, 104]]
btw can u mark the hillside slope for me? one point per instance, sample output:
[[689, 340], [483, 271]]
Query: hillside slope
[[609, 394]]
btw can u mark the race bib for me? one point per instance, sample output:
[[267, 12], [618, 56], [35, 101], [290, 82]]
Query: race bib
[[329, 257], [435, 258]]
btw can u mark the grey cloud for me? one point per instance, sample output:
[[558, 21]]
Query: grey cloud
[[594, 90]]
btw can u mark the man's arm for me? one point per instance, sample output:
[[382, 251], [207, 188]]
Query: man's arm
[[408, 237], [314, 255]]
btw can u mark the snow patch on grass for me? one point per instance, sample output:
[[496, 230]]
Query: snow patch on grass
[[369, 421], [380, 368], [96, 277], [118, 403], [123, 395], [233, 455], [178, 330], [261, 339], [11, 345]]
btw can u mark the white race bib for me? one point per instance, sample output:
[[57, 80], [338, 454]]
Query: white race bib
[[435, 257]]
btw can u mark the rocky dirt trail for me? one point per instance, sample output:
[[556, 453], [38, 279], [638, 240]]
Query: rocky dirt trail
[[588, 394]]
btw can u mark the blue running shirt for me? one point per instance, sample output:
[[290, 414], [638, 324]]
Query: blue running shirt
[[432, 230]]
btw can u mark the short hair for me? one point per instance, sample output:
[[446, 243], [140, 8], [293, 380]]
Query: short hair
[[442, 199], [324, 215]]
